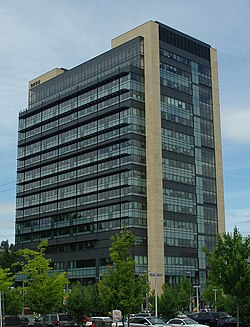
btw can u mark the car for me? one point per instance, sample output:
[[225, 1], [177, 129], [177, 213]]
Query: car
[[12, 321], [209, 318], [231, 322], [54, 320], [37, 322], [181, 315], [221, 321], [140, 321], [119, 323], [99, 322], [24, 320], [27, 320], [177, 322]]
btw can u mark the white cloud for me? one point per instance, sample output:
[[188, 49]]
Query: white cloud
[[239, 218], [6, 209], [7, 221], [235, 125]]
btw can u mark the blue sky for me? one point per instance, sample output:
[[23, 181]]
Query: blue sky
[[37, 36]]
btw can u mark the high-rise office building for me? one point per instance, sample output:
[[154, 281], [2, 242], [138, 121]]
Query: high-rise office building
[[129, 138]]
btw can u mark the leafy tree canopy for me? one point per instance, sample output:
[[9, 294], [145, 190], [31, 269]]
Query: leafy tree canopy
[[6, 279], [44, 288], [84, 301], [119, 288], [168, 303], [7, 255], [230, 266]]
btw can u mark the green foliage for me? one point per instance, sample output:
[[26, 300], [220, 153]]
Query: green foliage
[[83, 301], [230, 266], [184, 294], [13, 302], [6, 279], [7, 256], [12, 297], [119, 289], [44, 288], [209, 295], [168, 303]]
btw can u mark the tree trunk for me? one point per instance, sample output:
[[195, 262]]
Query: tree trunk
[[128, 317], [237, 314]]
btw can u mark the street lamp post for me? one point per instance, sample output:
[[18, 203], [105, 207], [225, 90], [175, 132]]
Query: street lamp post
[[190, 295], [146, 272], [156, 286], [215, 298], [197, 297]]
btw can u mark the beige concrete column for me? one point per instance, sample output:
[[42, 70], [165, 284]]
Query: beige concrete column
[[149, 31], [217, 141]]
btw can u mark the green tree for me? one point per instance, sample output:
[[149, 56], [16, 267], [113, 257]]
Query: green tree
[[185, 290], [168, 303], [44, 288], [12, 297], [119, 288], [6, 279], [230, 266], [7, 255], [208, 294], [13, 302], [83, 301]]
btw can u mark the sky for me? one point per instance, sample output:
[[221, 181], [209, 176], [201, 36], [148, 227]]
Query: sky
[[37, 36]]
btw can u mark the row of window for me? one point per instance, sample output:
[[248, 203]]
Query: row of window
[[203, 71], [178, 171], [81, 201], [80, 144], [177, 142], [116, 119], [52, 196], [168, 70], [178, 84], [181, 261], [132, 147], [87, 72], [178, 207], [136, 84], [73, 174], [81, 217], [176, 111], [179, 225], [180, 242], [101, 226]]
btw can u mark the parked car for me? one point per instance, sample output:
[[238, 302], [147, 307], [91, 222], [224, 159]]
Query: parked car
[[209, 318], [54, 320], [37, 322], [181, 315], [221, 320], [231, 322], [177, 322], [119, 323], [27, 320], [99, 322], [24, 321], [148, 321], [12, 321]]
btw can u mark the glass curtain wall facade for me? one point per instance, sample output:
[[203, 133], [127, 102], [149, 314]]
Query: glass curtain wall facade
[[188, 154], [83, 157], [81, 162]]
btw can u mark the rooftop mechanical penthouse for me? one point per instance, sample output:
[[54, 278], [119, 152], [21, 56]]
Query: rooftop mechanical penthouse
[[129, 138]]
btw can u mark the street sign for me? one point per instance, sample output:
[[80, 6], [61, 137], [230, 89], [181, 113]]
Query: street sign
[[117, 315]]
